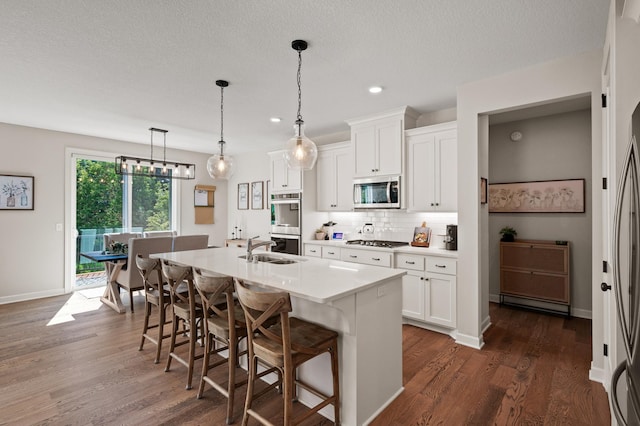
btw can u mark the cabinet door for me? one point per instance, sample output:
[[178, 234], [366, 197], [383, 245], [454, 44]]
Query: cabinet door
[[364, 150], [330, 252], [413, 297], [294, 179], [389, 148], [279, 178], [343, 180], [440, 298], [447, 171], [421, 160], [326, 187]]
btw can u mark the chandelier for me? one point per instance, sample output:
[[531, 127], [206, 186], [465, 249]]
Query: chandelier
[[134, 166], [301, 152], [220, 166]]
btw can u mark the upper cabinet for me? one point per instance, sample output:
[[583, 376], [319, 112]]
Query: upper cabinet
[[284, 179], [377, 142], [432, 168], [335, 177]]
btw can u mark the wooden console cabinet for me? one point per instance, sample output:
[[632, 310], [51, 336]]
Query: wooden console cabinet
[[536, 270]]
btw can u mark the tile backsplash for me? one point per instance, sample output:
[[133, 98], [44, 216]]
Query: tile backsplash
[[393, 225]]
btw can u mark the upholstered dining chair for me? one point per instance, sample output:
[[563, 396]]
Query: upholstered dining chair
[[285, 346], [190, 242], [119, 237], [129, 278], [149, 234]]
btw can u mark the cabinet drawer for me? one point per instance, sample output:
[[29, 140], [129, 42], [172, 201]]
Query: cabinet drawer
[[535, 285], [313, 250], [330, 252], [441, 265], [549, 258], [410, 261], [367, 257]]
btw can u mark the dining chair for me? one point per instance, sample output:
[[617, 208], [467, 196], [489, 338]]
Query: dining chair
[[185, 308], [129, 278], [223, 324], [120, 237], [190, 242], [285, 345], [149, 234], [156, 294]]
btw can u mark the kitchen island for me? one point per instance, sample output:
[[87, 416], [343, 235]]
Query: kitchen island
[[363, 303]]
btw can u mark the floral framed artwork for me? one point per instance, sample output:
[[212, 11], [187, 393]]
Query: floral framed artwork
[[256, 195], [243, 196], [16, 192], [548, 196]]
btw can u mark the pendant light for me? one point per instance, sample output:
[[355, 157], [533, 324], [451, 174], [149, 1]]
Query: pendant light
[[301, 152], [220, 166]]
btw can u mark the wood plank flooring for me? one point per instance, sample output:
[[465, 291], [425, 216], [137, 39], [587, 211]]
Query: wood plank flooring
[[88, 371]]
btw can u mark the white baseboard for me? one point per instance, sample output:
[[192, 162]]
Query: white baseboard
[[598, 375], [381, 409], [30, 296], [486, 323], [470, 341]]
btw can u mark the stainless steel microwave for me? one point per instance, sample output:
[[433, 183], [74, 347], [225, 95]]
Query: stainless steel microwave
[[377, 193]]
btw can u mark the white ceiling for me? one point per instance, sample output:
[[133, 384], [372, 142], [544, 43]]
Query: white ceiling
[[114, 68]]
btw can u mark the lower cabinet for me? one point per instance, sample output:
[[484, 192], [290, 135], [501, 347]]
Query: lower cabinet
[[323, 251], [429, 289]]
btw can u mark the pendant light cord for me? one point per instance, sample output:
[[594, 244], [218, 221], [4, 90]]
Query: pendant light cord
[[299, 85]]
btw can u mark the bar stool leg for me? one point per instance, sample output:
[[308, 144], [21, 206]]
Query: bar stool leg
[[205, 365], [174, 329], [336, 382], [193, 337], [252, 375], [147, 314], [161, 322]]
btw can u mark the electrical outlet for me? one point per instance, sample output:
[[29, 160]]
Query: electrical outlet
[[381, 291], [58, 227]]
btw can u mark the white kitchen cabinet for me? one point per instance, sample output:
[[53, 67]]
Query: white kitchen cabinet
[[335, 177], [313, 250], [429, 289], [283, 179], [367, 257], [377, 142], [329, 252], [432, 168]]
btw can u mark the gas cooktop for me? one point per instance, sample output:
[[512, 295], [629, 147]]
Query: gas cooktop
[[378, 243]]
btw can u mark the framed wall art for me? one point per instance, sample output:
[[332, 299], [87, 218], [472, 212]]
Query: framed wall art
[[16, 192], [549, 196], [256, 195], [243, 196]]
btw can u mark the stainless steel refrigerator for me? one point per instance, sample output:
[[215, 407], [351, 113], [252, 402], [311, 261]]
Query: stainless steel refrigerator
[[626, 273]]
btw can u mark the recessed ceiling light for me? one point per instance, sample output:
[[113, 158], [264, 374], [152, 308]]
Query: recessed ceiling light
[[375, 89], [275, 119]]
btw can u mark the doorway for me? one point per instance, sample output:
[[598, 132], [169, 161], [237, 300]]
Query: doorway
[[104, 202], [549, 142]]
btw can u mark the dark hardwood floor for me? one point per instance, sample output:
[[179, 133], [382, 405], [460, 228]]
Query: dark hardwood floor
[[88, 371]]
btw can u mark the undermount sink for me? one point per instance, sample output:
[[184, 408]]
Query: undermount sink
[[270, 259]]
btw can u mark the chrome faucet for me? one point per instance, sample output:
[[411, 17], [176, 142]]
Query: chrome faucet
[[251, 246]]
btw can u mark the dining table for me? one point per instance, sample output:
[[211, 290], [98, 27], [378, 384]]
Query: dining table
[[111, 296]]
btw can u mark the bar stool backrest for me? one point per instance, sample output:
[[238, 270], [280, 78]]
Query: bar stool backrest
[[216, 293]]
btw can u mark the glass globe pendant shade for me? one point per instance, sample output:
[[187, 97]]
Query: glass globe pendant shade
[[220, 166], [301, 153]]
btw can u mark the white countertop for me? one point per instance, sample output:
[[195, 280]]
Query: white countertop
[[318, 280], [427, 251]]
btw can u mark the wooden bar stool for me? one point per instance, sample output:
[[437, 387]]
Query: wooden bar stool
[[185, 307], [286, 345], [155, 294], [223, 323]]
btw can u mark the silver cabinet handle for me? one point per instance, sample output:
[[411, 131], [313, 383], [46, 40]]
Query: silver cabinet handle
[[331, 252], [409, 263], [353, 256], [377, 259], [312, 251], [441, 266]]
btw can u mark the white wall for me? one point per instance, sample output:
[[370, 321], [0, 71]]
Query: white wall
[[32, 251], [553, 148], [564, 78]]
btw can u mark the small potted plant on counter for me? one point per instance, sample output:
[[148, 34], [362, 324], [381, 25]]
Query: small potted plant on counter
[[320, 234], [508, 234]]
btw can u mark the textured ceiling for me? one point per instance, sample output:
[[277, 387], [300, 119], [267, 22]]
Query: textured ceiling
[[114, 68]]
